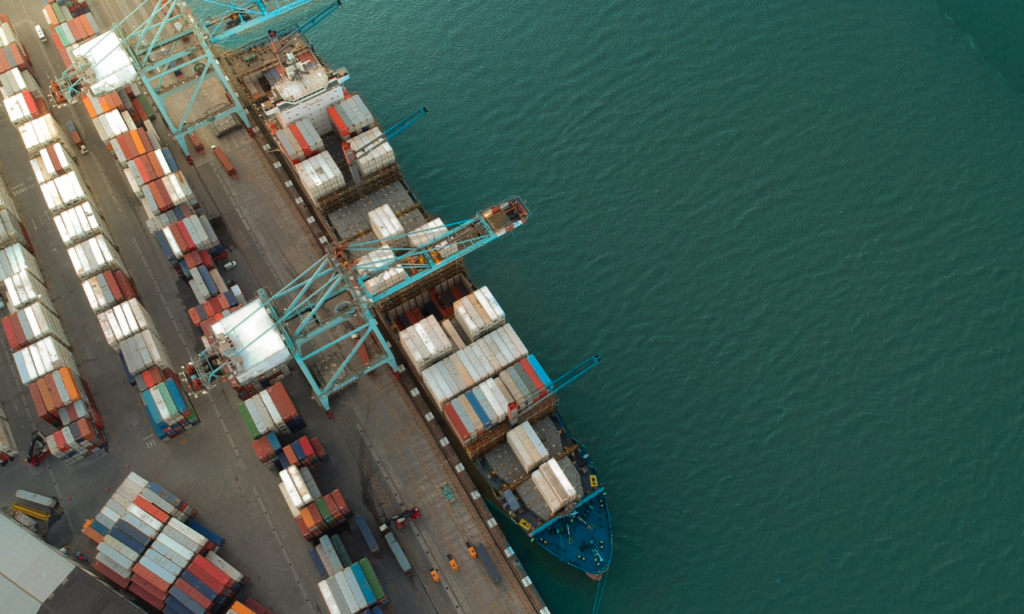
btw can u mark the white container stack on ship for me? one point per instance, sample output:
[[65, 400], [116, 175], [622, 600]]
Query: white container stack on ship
[[386, 278], [425, 343], [299, 141], [527, 447], [479, 313], [386, 227], [484, 358], [79, 223], [377, 159], [150, 544], [320, 176], [355, 117], [554, 486]]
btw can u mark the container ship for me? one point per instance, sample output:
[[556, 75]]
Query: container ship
[[498, 405]]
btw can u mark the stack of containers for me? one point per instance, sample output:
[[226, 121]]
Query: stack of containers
[[12, 231], [132, 144], [350, 117], [212, 309], [320, 515], [31, 324], [425, 343], [377, 159], [80, 223], [149, 167], [61, 397], [8, 447], [479, 313], [373, 261], [15, 81], [169, 411], [320, 175], [76, 441], [351, 590], [305, 452], [124, 320], [386, 227], [497, 399], [110, 125], [13, 56], [107, 289], [189, 234], [427, 233], [251, 606], [24, 288], [42, 357], [299, 141], [142, 351], [53, 160], [482, 359], [527, 447], [62, 192], [553, 485], [94, 256], [269, 411], [300, 491], [24, 107], [165, 193], [39, 133], [329, 556]]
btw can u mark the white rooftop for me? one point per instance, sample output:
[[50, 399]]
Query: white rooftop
[[252, 326]]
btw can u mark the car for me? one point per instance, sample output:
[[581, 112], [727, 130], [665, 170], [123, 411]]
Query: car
[[230, 265], [40, 34]]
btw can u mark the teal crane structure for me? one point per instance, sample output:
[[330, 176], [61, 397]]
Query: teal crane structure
[[171, 51]]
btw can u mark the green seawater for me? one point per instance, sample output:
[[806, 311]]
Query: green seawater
[[793, 231]]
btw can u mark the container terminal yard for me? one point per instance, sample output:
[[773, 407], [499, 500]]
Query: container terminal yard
[[380, 458]]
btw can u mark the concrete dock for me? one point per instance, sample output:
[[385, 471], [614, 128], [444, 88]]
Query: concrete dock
[[385, 456]]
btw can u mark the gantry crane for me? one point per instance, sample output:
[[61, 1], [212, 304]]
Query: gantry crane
[[171, 52]]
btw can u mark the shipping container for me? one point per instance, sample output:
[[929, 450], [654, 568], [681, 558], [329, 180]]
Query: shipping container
[[16, 259], [371, 541], [63, 191], [396, 549], [143, 351], [320, 176], [79, 223], [375, 160], [32, 323], [94, 255], [41, 358], [124, 320], [24, 288], [223, 158], [53, 160]]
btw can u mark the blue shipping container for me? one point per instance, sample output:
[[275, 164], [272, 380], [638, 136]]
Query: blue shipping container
[[368, 536], [207, 533]]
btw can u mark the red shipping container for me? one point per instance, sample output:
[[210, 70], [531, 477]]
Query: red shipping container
[[301, 140], [318, 448], [262, 449], [337, 122], [146, 596], [187, 245], [292, 459], [195, 595], [302, 528], [193, 315], [332, 507], [307, 447], [12, 339], [223, 301], [282, 401], [149, 586], [166, 202], [154, 161], [219, 577], [37, 402], [314, 511], [525, 364], [340, 502], [88, 26], [109, 574], [154, 580], [124, 285]]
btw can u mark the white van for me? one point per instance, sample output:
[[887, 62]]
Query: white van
[[40, 34]]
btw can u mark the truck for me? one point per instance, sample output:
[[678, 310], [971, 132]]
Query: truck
[[228, 166], [396, 548], [76, 138]]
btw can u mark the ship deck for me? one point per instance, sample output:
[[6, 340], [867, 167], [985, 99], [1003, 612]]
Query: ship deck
[[384, 457]]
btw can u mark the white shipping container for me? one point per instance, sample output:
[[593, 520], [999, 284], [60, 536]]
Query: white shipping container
[[39, 133], [52, 161], [15, 81], [385, 225], [114, 124], [376, 159], [41, 358], [320, 176], [38, 322], [24, 288], [7, 443], [79, 223], [123, 321], [16, 258], [93, 256], [428, 233], [17, 109], [62, 192], [142, 351], [98, 293]]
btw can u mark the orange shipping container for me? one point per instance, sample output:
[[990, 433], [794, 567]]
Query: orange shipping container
[[88, 106]]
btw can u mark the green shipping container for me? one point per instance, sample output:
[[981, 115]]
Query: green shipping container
[[66, 13], [145, 107], [249, 424], [60, 34], [346, 560], [324, 512], [371, 577]]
